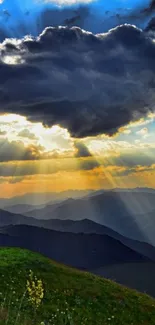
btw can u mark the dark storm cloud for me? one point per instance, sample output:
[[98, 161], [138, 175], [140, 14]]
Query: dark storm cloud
[[152, 5], [150, 8], [82, 150], [89, 84], [151, 25]]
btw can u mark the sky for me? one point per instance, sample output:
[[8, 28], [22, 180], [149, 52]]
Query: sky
[[18, 18], [76, 95]]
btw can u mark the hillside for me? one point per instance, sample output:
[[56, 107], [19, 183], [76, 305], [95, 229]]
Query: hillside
[[8, 218], [66, 292], [139, 276], [83, 251]]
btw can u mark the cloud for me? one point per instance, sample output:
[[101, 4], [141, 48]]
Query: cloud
[[142, 131], [135, 170], [124, 130], [15, 179], [122, 162], [143, 121], [149, 9], [15, 150], [46, 167], [89, 84], [2, 132], [151, 6], [55, 138], [88, 164], [82, 150], [3, 180], [123, 153], [151, 26], [27, 134], [134, 157]]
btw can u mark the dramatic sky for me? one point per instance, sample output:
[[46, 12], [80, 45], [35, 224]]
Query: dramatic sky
[[77, 95]]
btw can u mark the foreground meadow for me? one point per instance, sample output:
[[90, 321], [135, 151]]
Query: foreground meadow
[[36, 290]]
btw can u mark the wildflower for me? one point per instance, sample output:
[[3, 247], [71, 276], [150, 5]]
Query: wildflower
[[35, 290]]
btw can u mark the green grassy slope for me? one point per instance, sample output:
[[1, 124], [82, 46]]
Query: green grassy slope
[[71, 297]]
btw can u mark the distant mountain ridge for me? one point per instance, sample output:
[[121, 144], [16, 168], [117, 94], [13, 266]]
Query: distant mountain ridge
[[22, 208], [51, 197], [109, 212], [42, 198], [129, 213], [131, 202]]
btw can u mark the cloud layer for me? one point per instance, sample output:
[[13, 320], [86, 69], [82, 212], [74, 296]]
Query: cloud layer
[[16, 151], [89, 84]]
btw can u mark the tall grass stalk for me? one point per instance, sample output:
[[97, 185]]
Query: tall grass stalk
[[22, 298]]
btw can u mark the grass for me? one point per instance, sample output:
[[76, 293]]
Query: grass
[[70, 297]]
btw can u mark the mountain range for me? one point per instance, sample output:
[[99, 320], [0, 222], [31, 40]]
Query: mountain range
[[51, 197], [84, 226], [42, 198], [110, 233], [130, 213], [83, 251]]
